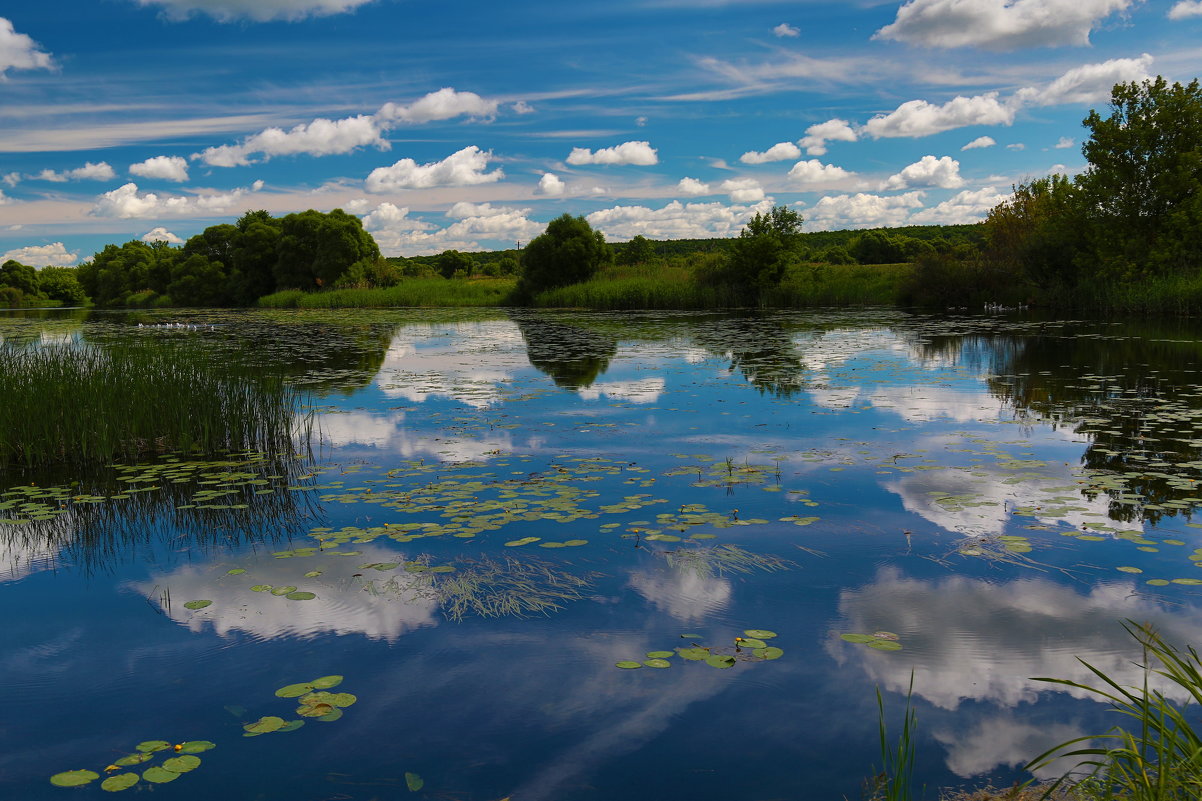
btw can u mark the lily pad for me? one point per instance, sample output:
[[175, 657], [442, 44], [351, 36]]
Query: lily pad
[[626, 663], [771, 652], [315, 710], [759, 634], [857, 638], [720, 661], [182, 764], [197, 604], [150, 746], [522, 541], [300, 596], [326, 682], [196, 746], [261, 588], [343, 699], [658, 663], [291, 725], [133, 759], [693, 654], [660, 654], [265, 725], [330, 717], [294, 690], [119, 782], [414, 782], [690, 636], [283, 590], [885, 645], [74, 778], [751, 642], [237, 571], [157, 775]]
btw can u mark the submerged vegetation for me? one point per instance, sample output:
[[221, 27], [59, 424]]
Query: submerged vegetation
[[89, 405]]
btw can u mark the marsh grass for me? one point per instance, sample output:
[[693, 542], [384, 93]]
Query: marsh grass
[[1158, 756], [723, 559], [409, 292], [895, 780], [83, 405]]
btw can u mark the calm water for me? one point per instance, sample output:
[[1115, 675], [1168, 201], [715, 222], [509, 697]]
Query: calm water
[[996, 492]]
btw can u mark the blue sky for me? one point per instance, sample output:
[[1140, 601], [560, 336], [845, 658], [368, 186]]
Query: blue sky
[[470, 125]]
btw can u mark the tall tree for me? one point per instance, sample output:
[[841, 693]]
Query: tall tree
[[568, 252]]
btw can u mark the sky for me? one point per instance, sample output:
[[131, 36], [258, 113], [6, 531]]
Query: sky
[[469, 125]]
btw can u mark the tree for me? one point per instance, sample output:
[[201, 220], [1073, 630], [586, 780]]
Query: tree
[[637, 250], [568, 252], [19, 276], [61, 284], [877, 247], [452, 262], [119, 271], [1037, 233], [315, 249], [1143, 190], [764, 249]]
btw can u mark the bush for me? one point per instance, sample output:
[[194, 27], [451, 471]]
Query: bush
[[568, 252]]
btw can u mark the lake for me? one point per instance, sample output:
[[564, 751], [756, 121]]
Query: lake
[[483, 512]]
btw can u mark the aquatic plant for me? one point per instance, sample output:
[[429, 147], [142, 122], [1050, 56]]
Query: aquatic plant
[[895, 781], [86, 405], [1160, 757], [181, 759]]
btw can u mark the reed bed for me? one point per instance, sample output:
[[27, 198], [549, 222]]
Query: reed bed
[[83, 405], [410, 292]]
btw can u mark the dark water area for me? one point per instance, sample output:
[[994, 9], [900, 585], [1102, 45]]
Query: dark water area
[[494, 508]]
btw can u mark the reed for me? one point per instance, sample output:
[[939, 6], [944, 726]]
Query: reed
[[1159, 756], [410, 292], [895, 781], [83, 405]]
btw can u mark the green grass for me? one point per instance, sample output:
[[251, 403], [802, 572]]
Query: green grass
[[895, 781], [1157, 755], [84, 405], [410, 292]]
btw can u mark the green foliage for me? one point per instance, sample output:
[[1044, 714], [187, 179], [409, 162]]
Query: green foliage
[[1159, 757], [451, 263], [315, 249], [19, 276], [1037, 233], [878, 247], [62, 284], [407, 292], [896, 778], [568, 252], [636, 251], [120, 271], [763, 251], [12, 298]]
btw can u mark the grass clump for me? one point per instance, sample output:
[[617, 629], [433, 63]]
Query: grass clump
[[409, 292], [84, 405], [895, 781], [1159, 756]]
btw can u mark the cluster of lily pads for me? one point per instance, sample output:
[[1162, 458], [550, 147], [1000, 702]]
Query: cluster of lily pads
[[182, 759], [751, 647], [880, 640], [314, 701]]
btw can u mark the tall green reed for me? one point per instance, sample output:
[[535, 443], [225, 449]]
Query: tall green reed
[[895, 780], [1159, 758]]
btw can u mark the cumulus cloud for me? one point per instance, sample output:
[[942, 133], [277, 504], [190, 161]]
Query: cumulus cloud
[[1065, 142], [125, 202], [638, 153], [167, 168], [920, 118], [676, 220], [4, 198], [522, 107], [464, 167], [743, 190], [818, 135], [786, 30], [53, 255], [1088, 83], [88, 172], [12, 178], [463, 209], [943, 172], [781, 151], [999, 24], [321, 137], [969, 206], [815, 172], [445, 104], [399, 234], [1186, 8], [161, 234], [550, 185], [691, 186], [979, 142], [863, 210], [257, 10], [20, 52]]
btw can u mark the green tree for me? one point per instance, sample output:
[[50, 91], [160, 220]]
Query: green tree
[[878, 247], [62, 284], [763, 251], [315, 249], [637, 251], [119, 271], [1143, 189], [568, 252], [451, 262], [20, 276], [1039, 233]]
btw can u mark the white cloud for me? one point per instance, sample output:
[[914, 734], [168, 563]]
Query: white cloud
[[4, 199], [12, 178], [638, 153], [1186, 8], [676, 220], [979, 142], [781, 151], [743, 190], [550, 185], [863, 210], [1016, 146], [257, 10], [400, 235], [53, 255], [691, 186], [819, 134], [464, 167], [998, 24], [943, 172], [1089, 83], [20, 52], [321, 137], [1065, 142], [88, 172], [785, 29], [161, 234], [522, 107], [463, 209], [969, 206], [167, 168], [125, 203], [920, 118], [814, 171], [445, 104]]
